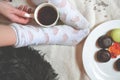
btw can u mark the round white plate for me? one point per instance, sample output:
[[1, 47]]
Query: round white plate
[[94, 69]]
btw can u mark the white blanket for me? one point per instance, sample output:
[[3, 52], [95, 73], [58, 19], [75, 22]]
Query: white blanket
[[67, 60]]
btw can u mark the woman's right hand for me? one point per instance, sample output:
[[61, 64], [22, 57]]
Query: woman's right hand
[[12, 13]]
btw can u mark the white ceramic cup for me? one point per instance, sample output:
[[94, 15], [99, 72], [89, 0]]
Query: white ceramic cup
[[47, 18]]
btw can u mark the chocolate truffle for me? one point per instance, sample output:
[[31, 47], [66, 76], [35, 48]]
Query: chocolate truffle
[[117, 65], [104, 41], [103, 55]]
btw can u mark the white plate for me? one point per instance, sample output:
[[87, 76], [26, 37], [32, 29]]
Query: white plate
[[94, 69]]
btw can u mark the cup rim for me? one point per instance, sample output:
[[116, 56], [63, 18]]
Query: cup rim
[[37, 10]]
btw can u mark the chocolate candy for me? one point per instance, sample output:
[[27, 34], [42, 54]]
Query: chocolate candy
[[117, 65], [104, 41], [103, 55]]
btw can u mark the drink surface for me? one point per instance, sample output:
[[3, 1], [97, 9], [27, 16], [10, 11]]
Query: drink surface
[[47, 15]]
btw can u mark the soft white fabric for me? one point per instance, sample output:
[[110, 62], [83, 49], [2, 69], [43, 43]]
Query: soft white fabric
[[56, 35], [66, 60]]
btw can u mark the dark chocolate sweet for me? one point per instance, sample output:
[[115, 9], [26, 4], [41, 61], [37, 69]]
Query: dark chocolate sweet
[[117, 65], [103, 55], [104, 41]]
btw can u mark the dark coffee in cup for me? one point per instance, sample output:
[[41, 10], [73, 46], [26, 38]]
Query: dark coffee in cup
[[47, 15]]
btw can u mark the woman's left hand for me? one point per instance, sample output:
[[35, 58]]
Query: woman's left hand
[[12, 13]]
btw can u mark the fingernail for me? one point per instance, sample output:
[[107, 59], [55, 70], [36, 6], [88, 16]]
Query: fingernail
[[28, 15]]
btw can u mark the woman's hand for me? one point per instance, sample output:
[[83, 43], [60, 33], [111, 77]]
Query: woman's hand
[[12, 13]]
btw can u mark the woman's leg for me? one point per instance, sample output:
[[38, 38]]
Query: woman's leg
[[70, 15], [57, 35], [7, 36]]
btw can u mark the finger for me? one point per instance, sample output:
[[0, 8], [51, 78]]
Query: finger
[[22, 20], [19, 12], [18, 19], [30, 10], [20, 7], [25, 8]]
